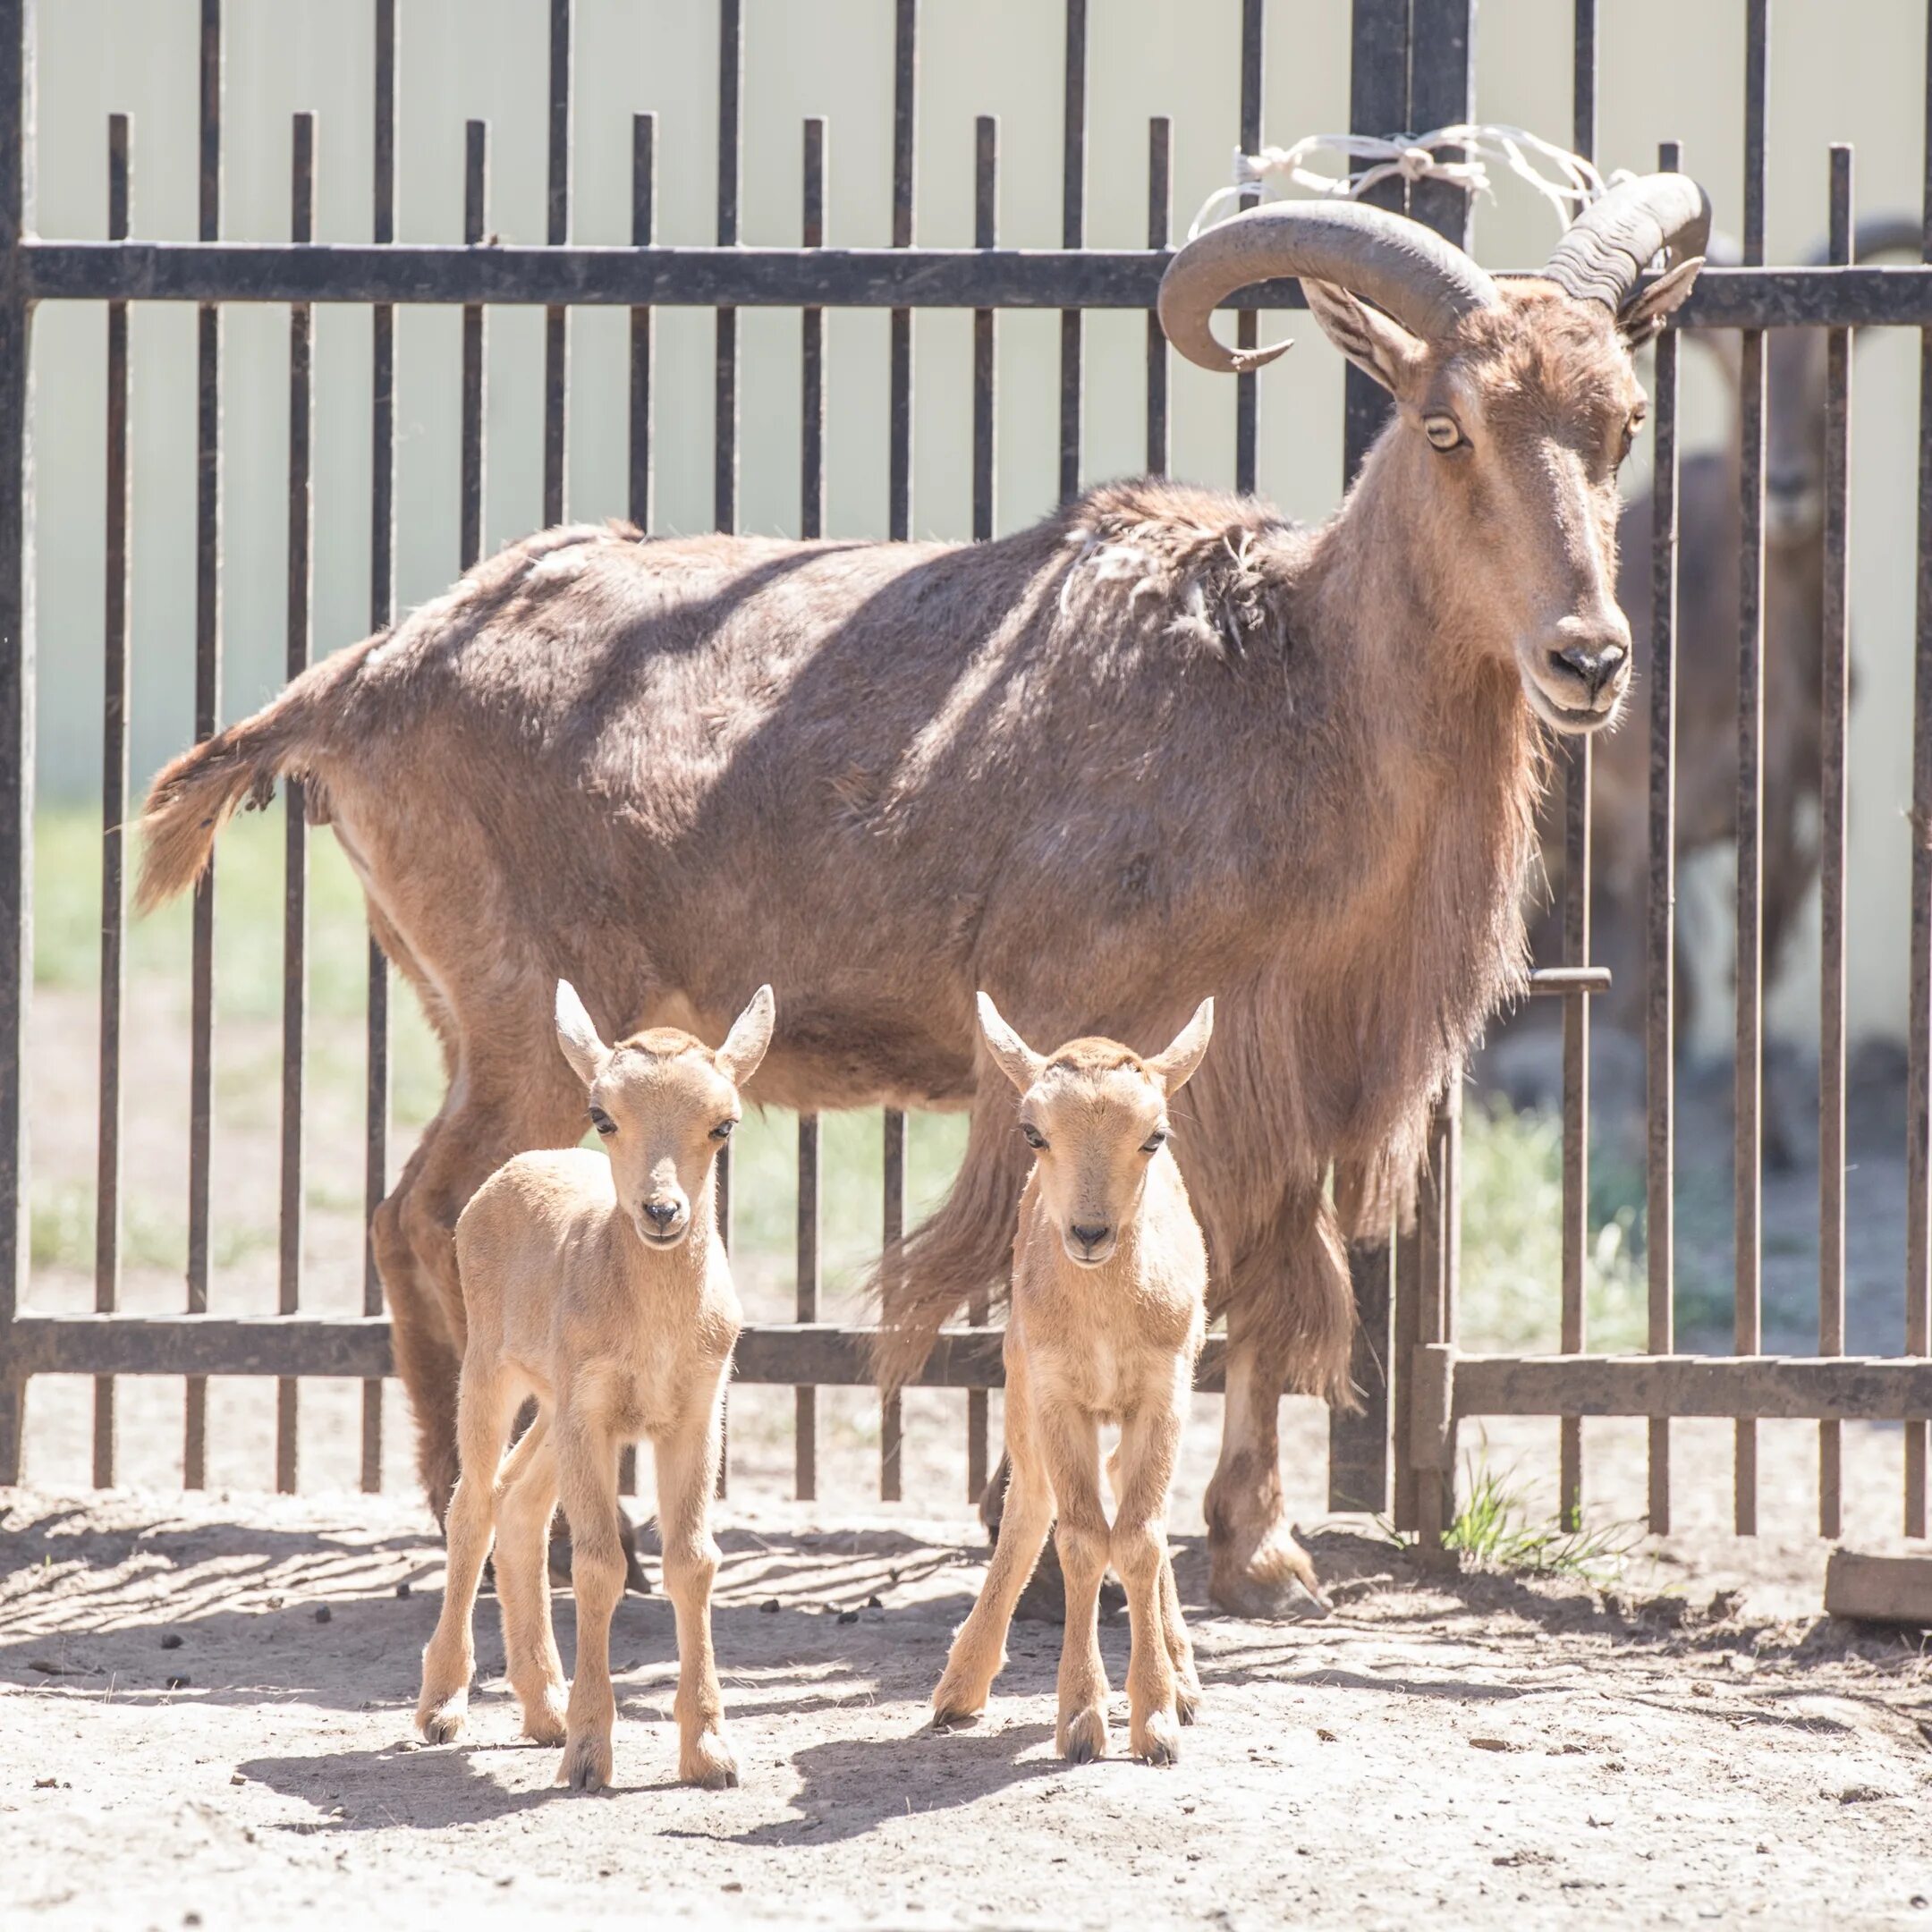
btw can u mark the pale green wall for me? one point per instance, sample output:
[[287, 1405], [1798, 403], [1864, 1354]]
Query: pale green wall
[[1839, 71]]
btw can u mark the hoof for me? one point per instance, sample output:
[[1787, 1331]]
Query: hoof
[[1277, 1582], [544, 1724], [955, 1703], [710, 1764], [1187, 1702], [441, 1725], [1160, 1739], [1083, 1736], [586, 1766]]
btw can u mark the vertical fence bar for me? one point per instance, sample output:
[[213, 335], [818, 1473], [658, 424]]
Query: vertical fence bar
[[1835, 699], [382, 613], [811, 525], [724, 423], [1159, 225], [475, 346], [643, 227], [899, 526], [1253, 40], [1378, 104], [16, 697], [1073, 235], [1660, 912], [207, 714], [295, 823], [1577, 769], [1749, 1072], [114, 813], [724, 431], [986, 235], [556, 320], [1919, 1039]]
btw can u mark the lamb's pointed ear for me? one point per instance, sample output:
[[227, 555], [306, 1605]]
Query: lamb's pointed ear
[[577, 1035], [1379, 346], [1175, 1067], [1642, 316], [744, 1046], [1017, 1061]]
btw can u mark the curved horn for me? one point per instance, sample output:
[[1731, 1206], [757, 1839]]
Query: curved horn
[[1614, 240], [1877, 234], [1426, 283]]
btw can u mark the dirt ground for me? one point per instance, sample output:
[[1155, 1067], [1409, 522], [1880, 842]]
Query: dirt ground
[[205, 1719]]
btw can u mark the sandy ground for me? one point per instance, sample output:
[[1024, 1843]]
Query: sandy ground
[[1696, 1744]]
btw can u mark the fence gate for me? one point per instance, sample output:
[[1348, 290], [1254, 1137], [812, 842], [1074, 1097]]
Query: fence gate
[[1412, 68]]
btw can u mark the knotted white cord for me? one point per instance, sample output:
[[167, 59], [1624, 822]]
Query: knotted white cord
[[1566, 180]]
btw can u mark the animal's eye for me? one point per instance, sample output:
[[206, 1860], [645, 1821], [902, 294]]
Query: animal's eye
[[722, 1132], [603, 1123], [1443, 432], [1155, 1141], [1631, 428], [1034, 1137]]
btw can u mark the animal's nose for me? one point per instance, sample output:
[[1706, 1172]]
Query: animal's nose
[[663, 1212], [1789, 486], [1595, 662], [1090, 1238]]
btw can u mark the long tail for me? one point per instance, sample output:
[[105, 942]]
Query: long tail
[[196, 793]]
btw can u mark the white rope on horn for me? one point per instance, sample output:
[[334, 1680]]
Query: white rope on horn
[[1566, 180]]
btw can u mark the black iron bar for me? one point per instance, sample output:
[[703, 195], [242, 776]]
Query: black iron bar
[[1919, 1032], [207, 715], [1159, 218], [1896, 296], [557, 318], [892, 1239], [1247, 411], [643, 219], [295, 827], [1378, 104], [724, 432], [1834, 698], [114, 812], [811, 525], [475, 355], [1660, 914], [1748, 1065], [985, 234], [382, 613], [1073, 235], [1576, 1046]]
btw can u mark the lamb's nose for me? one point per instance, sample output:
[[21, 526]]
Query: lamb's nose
[[663, 1213], [1090, 1238]]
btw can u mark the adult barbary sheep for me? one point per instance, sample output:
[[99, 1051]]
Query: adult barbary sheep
[[1160, 743]]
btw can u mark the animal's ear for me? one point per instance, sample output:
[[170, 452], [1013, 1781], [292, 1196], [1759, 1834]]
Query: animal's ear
[[1017, 1061], [744, 1046], [577, 1035], [1642, 316], [1376, 343], [1175, 1067]]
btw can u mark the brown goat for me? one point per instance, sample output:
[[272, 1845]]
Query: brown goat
[[1162, 742]]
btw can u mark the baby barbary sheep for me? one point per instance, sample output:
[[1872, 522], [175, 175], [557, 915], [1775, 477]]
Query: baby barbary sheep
[[1109, 1280], [601, 1288]]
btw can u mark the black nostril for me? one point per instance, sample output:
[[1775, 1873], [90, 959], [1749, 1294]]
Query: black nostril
[[663, 1213], [1090, 1237]]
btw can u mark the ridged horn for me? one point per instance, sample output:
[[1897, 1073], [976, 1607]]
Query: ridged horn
[[1611, 243], [1426, 283]]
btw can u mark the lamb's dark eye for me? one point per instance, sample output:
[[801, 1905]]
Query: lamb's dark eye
[[603, 1123], [1155, 1141], [722, 1132], [1034, 1137]]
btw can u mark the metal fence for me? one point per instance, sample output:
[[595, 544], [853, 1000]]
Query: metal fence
[[1411, 68]]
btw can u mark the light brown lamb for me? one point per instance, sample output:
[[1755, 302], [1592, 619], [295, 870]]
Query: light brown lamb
[[1159, 743], [600, 1288], [1108, 1314]]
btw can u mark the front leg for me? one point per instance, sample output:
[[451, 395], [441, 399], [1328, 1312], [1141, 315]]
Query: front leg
[[1071, 1446], [587, 1481], [687, 1460], [1150, 1439]]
